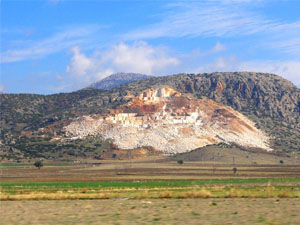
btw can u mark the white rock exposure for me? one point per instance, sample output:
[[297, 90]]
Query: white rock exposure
[[170, 122]]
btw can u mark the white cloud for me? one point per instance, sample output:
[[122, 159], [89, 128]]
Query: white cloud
[[218, 48], [222, 19], [138, 58], [290, 45], [58, 42], [287, 69], [203, 19], [80, 64]]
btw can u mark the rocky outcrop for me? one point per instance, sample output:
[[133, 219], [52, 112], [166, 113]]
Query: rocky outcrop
[[170, 122]]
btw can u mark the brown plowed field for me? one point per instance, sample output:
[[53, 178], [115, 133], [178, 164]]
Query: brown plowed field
[[125, 170]]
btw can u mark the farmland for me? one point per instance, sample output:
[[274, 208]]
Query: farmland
[[153, 190], [150, 168], [148, 179]]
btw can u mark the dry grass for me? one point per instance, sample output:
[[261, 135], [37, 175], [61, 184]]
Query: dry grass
[[284, 194], [233, 193], [203, 193], [161, 193], [154, 211]]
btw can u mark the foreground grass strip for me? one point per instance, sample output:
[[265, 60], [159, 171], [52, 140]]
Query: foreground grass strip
[[223, 188], [165, 192]]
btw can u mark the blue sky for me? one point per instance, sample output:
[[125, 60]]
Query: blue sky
[[61, 45]]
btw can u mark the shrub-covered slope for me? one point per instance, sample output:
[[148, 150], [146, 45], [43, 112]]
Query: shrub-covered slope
[[272, 102]]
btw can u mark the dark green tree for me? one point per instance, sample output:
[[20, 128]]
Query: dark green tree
[[180, 161], [38, 164], [234, 170]]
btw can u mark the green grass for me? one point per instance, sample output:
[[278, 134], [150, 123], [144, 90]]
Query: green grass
[[136, 184], [13, 165], [228, 188]]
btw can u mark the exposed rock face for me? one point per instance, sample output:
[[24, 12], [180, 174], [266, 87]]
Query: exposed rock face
[[272, 102], [118, 79], [170, 122]]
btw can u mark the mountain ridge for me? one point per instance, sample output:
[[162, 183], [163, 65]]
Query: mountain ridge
[[272, 102]]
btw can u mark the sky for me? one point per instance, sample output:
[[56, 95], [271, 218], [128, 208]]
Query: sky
[[55, 46]]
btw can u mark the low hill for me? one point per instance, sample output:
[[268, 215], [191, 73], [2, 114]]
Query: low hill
[[234, 155]]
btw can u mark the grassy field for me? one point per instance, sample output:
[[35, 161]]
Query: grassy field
[[151, 192], [265, 191], [154, 211], [114, 179]]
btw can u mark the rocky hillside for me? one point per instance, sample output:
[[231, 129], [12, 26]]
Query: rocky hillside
[[270, 101], [118, 79], [170, 122]]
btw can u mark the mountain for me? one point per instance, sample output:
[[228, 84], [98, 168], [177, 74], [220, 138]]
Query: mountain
[[118, 79], [35, 125]]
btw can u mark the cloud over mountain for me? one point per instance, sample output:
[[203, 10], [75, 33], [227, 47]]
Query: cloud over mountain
[[139, 57]]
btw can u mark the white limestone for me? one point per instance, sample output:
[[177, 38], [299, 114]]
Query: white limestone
[[171, 129]]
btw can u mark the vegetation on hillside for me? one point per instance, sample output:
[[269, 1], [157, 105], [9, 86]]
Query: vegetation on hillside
[[272, 102]]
